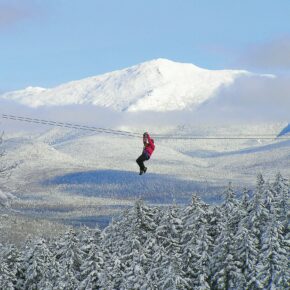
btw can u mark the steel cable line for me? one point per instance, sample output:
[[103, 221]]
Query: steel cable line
[[69, 125], [137, 135]]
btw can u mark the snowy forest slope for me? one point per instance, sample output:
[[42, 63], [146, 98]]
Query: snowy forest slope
[[240, 244]]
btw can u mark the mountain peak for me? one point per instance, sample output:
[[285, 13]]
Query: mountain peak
[[156, 85], [167, 65]]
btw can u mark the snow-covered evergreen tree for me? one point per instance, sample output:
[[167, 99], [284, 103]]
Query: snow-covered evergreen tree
[[269, 202], [37, 263], [86, 240], [273, 268], [170, 266], [257, 212], [281, 188], [246, 253], [137, 252], [69, 256], [113, 274], [90, 241], [7, 278], [173, 277], [159, 257], [226, 268], [202, 256], [92, 268], [135, 276], [110, 238], [245, 202], [231, 209], [191, 224], [214, 216], [168, 233], [11, 256]]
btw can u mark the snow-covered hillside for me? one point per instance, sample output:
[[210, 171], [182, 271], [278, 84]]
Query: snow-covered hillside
[[71, 176], [157, 85], [61, 151]]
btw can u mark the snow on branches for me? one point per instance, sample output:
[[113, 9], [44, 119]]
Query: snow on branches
[[239, 244]]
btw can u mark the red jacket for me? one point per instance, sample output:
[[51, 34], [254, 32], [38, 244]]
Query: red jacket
[[148, 145]]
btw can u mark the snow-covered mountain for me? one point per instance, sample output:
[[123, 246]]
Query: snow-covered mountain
[[157, 85]]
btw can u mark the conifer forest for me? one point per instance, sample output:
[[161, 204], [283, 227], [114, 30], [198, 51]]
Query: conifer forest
[[241, 243]]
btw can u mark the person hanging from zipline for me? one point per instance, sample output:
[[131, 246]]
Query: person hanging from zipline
[[147, 152]]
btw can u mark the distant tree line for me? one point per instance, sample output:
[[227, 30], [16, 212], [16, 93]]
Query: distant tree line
[[240, 244]]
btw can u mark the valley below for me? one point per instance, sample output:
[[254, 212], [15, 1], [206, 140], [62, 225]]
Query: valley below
[[67, 177]]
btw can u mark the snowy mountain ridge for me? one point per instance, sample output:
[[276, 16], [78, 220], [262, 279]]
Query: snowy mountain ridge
[[156, 85]]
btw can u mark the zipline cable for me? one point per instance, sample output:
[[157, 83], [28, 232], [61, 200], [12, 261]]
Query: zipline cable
[[137, 135], [69, 125]]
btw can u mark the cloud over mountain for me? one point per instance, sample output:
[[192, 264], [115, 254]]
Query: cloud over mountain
[[274, 54], [252, 98]]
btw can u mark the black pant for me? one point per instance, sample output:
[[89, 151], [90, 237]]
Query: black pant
[[140, 160]]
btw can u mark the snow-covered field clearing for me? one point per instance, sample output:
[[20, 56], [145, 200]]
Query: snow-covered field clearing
[[77, 178]]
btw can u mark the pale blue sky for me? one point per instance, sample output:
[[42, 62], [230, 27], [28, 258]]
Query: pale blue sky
[[45, 43]]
